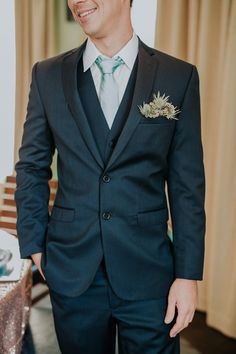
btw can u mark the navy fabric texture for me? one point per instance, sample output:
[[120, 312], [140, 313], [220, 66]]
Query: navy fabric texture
[[87, 323], [111, 200]]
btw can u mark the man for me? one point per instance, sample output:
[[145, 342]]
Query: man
[[104, 250]]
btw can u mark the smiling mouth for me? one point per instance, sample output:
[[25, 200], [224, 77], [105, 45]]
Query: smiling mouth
[[85, 13]]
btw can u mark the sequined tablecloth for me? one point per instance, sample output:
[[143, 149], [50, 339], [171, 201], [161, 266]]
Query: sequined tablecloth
[[15, 302]]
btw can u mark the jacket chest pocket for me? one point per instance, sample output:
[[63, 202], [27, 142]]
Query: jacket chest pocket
[[160, 121]]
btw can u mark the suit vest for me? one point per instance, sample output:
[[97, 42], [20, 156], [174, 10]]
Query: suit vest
[[104, 137]]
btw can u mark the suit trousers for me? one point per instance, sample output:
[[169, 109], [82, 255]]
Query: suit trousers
[[86, 324]]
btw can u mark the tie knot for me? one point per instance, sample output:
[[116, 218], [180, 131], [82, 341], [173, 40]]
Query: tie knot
[[108, 66]]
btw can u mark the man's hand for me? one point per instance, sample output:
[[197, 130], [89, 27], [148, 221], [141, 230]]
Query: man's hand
[[37, 260], [183, 296]]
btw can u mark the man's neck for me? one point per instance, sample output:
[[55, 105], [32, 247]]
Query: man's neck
[[111, 45]]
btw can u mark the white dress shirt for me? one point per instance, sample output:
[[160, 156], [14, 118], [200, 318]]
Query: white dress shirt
[[128, 53]]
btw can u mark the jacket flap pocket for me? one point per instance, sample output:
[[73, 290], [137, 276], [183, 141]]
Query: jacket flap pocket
[[62, 214], [153, 217]]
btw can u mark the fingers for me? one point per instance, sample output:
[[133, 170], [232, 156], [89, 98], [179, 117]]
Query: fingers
[[170, 313], [37, 260], [40, 270], [182, 321], [183, 296]]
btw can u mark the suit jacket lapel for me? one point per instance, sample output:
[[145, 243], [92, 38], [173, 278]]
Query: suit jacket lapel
[[146, 73], [69, 80]]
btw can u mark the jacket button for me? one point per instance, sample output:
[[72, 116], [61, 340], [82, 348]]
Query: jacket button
[[106, 178], [106, 215]]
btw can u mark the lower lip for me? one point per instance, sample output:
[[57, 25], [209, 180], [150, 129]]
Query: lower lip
[[85, 18]]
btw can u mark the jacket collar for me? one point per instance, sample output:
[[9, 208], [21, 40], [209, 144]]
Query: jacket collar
[[146, 74]]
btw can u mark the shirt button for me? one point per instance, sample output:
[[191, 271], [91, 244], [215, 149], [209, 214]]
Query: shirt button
[[106, 178], [106, 215]]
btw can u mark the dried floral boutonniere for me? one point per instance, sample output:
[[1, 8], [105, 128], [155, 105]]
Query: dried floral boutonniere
[[159, 106]]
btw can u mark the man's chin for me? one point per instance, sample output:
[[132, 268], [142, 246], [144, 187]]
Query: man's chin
[[90, 29], [92, 33]]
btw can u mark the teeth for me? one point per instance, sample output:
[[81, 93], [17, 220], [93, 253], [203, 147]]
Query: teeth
[[83, 14]]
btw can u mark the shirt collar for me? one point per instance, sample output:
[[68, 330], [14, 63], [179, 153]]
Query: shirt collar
[[128, 53]]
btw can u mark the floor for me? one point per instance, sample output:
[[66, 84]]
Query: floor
[[197, 339]]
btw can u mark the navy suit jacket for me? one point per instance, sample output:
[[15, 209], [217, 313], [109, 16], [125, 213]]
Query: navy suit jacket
[[123, 215]]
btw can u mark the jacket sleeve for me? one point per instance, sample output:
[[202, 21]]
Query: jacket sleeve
[[186, 186], [32, 174]]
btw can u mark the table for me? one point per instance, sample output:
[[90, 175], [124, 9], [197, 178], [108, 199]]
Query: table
[[15, 303]]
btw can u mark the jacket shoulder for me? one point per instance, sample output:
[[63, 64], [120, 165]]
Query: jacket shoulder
[[170, 62], [53, 64], [173, 74], [55, 60]]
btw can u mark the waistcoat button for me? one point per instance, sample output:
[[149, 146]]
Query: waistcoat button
[[106, 215]]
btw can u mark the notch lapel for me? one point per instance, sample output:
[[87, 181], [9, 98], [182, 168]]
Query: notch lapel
[[146, 73], [69, 81]]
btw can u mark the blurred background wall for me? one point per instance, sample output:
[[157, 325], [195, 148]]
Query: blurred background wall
[[7, 88]]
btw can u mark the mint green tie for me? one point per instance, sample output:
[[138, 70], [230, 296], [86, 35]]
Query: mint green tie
[[108, 92]]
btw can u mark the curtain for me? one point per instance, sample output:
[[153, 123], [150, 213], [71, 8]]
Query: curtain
[[35, 40], [203, 32]]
